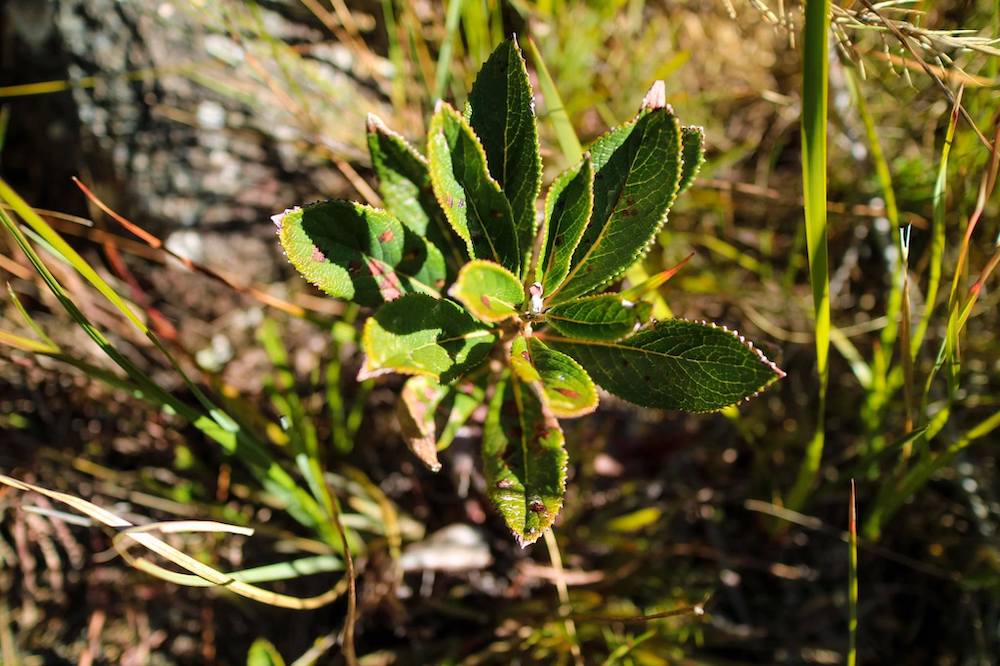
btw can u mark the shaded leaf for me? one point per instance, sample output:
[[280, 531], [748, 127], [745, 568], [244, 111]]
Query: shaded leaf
[[358, 253], [568, 206], [693, 154], [502, 116], [488, 290], [524, 459], [415, 410], [461, 402], [472, 201], [405, 185], [675, 364], [636, 172], [569, 391], [601, 317], [422, 335]]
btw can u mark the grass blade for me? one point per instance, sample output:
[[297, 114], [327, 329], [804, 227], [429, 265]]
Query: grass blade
[[852, 585], [815, 94], [937, 232], [447, 47], [555, 110]]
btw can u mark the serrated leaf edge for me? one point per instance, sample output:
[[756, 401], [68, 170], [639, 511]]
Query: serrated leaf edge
[[591, 297], [436, 182], [563, 414], [367, 371], [306, 271], [643, 250], [778, 372], [453, 291]]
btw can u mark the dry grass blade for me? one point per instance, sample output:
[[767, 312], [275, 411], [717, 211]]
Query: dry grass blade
[[564, 608], [257, 293], [905, 41], [204, 572]]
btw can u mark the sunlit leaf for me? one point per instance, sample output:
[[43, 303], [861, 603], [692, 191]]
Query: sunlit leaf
[[569, 391], [675, 364], [263, 653], [488, 290], [502, 116], [422, 335], [637, 169], [568, 206], [524, 459], [359, 253], [404, 182], [601, 317], [693, 153], [472, 201]]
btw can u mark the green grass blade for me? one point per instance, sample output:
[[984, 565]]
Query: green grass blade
[[908, 482], [29, 320], [852, 584], [216, 425], [555, 110], [937, 234], [815, 94], [34, 220], [447, 48]]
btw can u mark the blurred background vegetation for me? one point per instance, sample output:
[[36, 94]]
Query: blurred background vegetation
[[185, 373]]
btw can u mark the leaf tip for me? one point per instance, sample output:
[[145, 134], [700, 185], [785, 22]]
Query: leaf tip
[[656, 96], [367, 371], [374, 123], [279, 218], [771, 365]]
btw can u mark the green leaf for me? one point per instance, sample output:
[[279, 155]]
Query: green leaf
[[601, 317], [569, 391], [488, 290], [359, 253], [675, 364], [636, 172], [693, 153], [503, 118], [421, 335], [523, 459], [568, 206], [263, 653], [418, 401], [463, 399], [405, 186], [473, 202]]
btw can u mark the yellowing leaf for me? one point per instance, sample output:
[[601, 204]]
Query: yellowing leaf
[[488, 290]]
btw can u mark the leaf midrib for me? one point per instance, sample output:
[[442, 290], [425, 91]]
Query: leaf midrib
[[471, 334], [387, 267], [617, 345], [600, 236]]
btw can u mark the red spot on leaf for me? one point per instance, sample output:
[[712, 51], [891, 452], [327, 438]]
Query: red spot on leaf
[[485, 300], [317, 254], [569, 393], [386, 236], [387, 281]]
